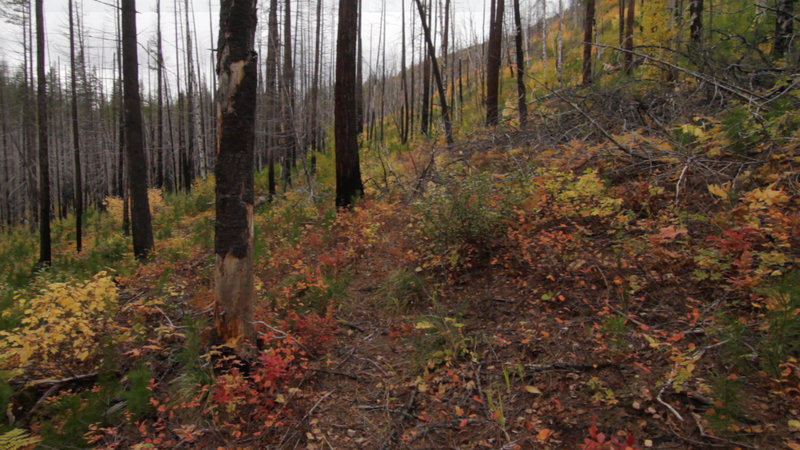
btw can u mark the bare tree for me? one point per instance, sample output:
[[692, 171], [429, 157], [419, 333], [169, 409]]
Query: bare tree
[[629, 37], [544, 32], [316, 129], [272, 94], [233, 231], [588, 26], [437, 76], [76, 147], [159, 163], [696, 24], [141, 227], [494, 55], [784, 27], [521, 100], [287, 103], [44, 165], [621, 10], [348, 171]]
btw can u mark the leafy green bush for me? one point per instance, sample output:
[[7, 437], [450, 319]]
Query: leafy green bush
[[782, 339], [441, 341], [460, 221], [403, 289]]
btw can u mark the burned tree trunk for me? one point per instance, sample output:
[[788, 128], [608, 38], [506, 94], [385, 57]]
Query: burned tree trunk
[[784, 27], [696, 23], [521, 100], [233, 231], [494, 54], [273, 103], [629, 38], [588, 26], [141, 227], [348, 171], [78, 197], [44, 166], [437, 76]]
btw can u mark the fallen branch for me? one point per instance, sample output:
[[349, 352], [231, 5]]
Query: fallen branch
[[568, 367], [389, 410], [321, 399], [745, 94], [667, 405], [330, 372], [717, 438], [59, 381], [591, 120]]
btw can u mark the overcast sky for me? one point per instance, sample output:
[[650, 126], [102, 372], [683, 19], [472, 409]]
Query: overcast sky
[[100, 28]]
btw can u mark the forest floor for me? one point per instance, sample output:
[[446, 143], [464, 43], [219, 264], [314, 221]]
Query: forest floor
[[496, 294], [554, 310]]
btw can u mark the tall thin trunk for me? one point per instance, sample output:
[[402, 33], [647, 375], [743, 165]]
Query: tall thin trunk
[[403, 76], [141, 227], [233, 229], [588, 25], [184, 157], [426, 93], [8, 219], [194, 150], [784, 27], [696, 25], [159, 178], [348, 171], [494, 55], [412, 91], [212, 117], [629, 38], [122, 163], [521, 100], [560, 42], [287, 90], [29, 118], [544, 33], [44, 163], [383, 68], [359, 73], [76, 147], [316, 138], [272, 126], [448, 131], [621, 11]]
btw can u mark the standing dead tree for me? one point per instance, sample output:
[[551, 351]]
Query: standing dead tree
[[233, 230]]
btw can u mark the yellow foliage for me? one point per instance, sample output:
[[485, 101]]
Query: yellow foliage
[[721, 191], [17, 438], [763, 197], [62, 323], [113, 206]]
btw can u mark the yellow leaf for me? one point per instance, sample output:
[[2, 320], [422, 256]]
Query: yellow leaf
[[719, 191], [794, 424], [423, 325], [533, 390]]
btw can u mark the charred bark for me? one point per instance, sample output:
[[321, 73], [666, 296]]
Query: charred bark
[[233, 230], [348, 171], [521, 98], [44, 165], [588, 26], [141, 227], [494, 55], [629, 38]]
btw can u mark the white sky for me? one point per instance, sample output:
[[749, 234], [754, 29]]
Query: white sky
[[100, 28]]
